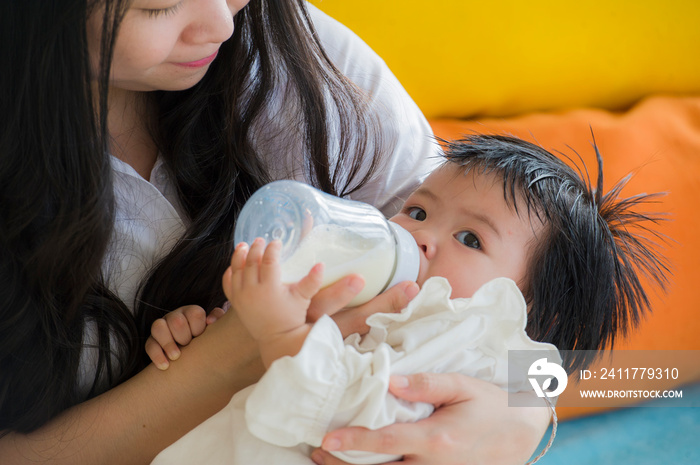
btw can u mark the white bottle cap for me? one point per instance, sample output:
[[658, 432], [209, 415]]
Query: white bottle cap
[[407, 257]]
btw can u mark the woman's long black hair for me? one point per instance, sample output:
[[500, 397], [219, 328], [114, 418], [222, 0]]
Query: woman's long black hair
[[56, 194]]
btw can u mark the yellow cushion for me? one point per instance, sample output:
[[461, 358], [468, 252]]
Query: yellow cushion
[[462, 58]]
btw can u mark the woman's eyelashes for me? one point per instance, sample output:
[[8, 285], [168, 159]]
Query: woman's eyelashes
[[469, 239], [158, 12]]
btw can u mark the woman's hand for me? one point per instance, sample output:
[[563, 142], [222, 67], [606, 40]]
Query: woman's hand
[[472, 424], [352, 320]]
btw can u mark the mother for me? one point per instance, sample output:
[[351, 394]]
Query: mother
[[131, 133]]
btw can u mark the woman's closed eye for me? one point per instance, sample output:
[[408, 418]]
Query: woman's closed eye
[[157, 12], [416, 213], [469, 239]]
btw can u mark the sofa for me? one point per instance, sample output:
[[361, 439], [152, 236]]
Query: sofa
[[625, 74]]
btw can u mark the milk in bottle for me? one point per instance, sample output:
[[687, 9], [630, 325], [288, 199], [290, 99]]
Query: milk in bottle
[[346, 236]]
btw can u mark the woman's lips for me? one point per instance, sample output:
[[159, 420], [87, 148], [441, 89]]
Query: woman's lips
[[199, 63]]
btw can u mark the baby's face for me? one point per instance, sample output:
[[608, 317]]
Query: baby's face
[[466, 231]]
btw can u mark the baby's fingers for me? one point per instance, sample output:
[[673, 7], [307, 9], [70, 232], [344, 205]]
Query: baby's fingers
[[311, 283], [161, 335], [217, 313], [156, 354], [251, 269], [270, 262], [239, 256], [194, 325], [183, 324]]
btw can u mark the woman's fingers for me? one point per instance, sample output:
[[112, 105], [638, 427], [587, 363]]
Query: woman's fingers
[[322, 457], [436, 389], [472, 424], [396, 439], [393, 300]]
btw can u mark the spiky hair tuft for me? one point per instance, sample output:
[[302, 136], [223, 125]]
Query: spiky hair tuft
[[585, 279]]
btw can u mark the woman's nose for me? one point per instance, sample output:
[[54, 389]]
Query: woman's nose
[[213, 23]]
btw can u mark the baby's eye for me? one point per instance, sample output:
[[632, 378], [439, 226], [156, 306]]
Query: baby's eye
[[417, 213], [469, 239]]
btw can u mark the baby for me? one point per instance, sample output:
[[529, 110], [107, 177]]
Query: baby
[[510, 237]]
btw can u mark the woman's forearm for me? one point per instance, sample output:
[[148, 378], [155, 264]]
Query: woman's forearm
[[133, 422]]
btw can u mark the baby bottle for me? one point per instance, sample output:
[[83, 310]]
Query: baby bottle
[[345, 235]]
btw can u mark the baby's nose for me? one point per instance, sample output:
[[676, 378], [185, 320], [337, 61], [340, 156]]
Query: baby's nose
[[426, 243]]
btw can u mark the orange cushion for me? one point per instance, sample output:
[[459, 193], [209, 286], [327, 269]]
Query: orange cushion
[[658, 140]]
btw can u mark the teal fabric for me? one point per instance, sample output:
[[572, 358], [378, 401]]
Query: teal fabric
[[654, 433]]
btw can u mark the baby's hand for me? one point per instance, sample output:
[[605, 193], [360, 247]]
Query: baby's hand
[[267, 307], [175, 329]]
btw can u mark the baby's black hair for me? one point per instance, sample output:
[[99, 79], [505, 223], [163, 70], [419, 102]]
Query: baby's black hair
[[584, 283]]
